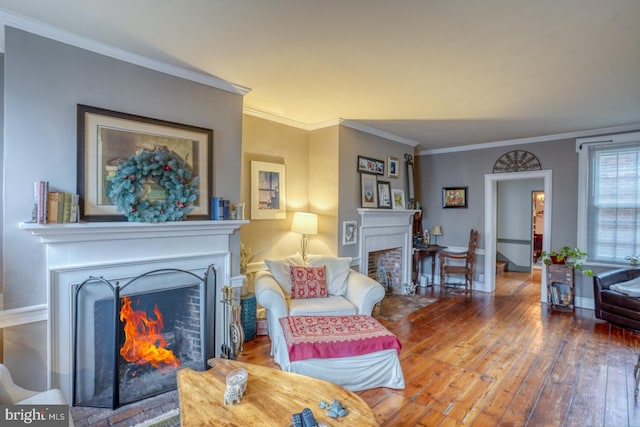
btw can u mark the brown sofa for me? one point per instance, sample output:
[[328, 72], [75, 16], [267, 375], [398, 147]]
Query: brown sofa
[[613, 306]]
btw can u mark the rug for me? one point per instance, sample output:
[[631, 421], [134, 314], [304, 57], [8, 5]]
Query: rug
[[168, 419], [397, 307]]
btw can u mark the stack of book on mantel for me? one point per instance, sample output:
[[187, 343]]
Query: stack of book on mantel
[[53, 207]]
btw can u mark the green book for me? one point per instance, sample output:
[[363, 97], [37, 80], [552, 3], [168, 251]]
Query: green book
[[66, 216]]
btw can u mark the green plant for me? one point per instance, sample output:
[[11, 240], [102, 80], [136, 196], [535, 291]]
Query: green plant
[[567, 255], [245, 257]]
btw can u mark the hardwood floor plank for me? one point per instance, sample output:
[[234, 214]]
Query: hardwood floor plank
[[503, 359]]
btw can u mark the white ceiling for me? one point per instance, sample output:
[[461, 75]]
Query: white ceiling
[[442, 73]]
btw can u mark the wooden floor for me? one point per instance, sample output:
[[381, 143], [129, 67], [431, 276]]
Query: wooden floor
[[504, 359]]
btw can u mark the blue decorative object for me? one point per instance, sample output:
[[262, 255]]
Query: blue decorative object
[[335, 409], [249, 312], [154, 186]]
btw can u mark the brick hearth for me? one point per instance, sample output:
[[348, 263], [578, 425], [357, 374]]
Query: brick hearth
[[128, 415]]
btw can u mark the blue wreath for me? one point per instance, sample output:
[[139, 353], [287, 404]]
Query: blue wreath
[[164, 168]]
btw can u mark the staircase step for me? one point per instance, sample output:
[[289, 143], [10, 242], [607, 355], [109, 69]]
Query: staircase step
[[501, 267]]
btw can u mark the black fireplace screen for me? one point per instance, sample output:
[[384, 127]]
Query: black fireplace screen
[[130, 339]]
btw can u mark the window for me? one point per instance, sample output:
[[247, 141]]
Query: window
[[609, 198]]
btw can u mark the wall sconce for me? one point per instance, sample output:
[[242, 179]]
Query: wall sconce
[[305, 224], [437, 231]]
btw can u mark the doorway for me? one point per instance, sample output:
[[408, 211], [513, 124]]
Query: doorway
[[537, 226], [490, 221]]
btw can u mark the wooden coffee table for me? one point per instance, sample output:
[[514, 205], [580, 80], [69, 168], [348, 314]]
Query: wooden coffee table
[[271, 398]]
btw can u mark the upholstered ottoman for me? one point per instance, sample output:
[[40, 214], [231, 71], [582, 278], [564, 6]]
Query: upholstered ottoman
[[354, 351]]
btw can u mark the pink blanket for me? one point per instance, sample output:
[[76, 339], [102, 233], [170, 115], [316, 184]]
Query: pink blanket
[[322, 337]]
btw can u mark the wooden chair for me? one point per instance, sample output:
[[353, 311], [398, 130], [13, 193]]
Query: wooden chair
[[458, 267]]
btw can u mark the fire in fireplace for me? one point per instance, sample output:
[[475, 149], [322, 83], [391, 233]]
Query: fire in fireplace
[[131, 339], [144, 343]]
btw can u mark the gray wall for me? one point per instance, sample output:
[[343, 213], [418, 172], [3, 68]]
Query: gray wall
[[353, 143], [44, 81], [468, 168]]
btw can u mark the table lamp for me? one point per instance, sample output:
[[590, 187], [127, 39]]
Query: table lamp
[[437, 231], [306, 224]]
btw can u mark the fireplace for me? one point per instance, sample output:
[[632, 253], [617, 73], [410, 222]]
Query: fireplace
[[131, 339], [385, 267], [388, 230], [119, 252]]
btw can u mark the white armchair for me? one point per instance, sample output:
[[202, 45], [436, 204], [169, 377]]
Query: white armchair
[[13, 394], [350, 292]]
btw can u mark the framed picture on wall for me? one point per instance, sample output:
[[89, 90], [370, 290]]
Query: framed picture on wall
[[106, 138], [397, 197], [392, 167], [349, 233], [268, 190], [368, 191], [369, 165], [454, 197], [384, 194]]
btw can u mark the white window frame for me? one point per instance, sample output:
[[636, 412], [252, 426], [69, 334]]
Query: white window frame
[[582, 148]]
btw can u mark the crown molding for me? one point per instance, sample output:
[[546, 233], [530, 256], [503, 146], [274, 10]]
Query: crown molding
[[23, 23], [335, 122], [373, 131], [532, 140], [277, 119], [289, 122]]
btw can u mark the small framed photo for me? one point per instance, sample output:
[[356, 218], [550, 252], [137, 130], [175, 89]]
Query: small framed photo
[[392, 169], [454, 197], [384, 194], [397, 199], [369, 190], [369, 165], [349, 233]]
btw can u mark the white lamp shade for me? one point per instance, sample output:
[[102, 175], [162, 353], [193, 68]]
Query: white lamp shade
[[437, 230], [305, 223]]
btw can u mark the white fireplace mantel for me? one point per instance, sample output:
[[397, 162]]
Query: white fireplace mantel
[[92, 231], [121, 250], [387, 229]]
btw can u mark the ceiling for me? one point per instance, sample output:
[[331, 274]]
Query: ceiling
[[442, 73]]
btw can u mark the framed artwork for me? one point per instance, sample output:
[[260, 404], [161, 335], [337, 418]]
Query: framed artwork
[[349, 232], [454, 197], [368, 191], [384, 194], [369, 165], [107, 137], [392, 167], [268, 190], [397, 199]]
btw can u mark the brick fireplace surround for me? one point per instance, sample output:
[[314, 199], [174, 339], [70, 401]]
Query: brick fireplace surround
[[119, 251]]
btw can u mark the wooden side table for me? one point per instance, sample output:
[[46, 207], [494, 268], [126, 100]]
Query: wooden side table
[[271, 398], [420, 253]]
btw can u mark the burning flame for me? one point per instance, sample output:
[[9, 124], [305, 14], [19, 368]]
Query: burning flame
[[144, 343]]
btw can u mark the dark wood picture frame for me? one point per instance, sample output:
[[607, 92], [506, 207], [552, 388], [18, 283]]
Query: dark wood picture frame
[[106, 137], [454, 197], [384, 195], [369, 165]]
